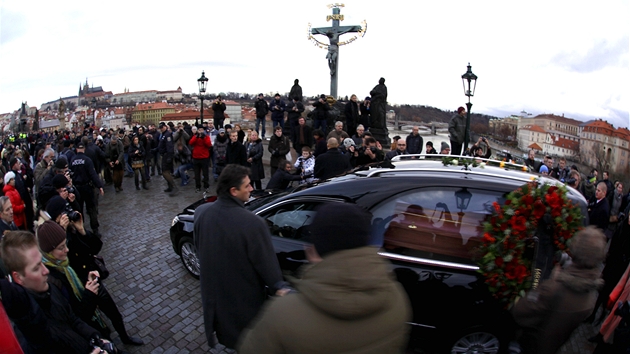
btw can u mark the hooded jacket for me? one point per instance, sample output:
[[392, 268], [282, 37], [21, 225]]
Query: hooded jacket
[[347, 303], [549, 314]]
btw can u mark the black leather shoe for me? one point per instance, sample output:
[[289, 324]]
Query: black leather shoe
[[145, 187], [168, 190], [132, 341]]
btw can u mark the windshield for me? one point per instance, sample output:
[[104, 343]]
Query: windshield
[[258, 202]]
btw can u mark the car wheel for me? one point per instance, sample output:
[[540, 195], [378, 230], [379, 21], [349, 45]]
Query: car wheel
[[188, 255], [476, 342]]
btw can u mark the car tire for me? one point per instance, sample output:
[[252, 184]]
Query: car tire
[[188, 255], [475, 341]]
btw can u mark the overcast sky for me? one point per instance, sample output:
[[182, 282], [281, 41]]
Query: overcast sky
[[562, 57]]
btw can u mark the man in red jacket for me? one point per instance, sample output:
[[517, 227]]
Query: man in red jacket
[[201, 145]]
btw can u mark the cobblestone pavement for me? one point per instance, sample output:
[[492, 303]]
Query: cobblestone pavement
[[159, 301]]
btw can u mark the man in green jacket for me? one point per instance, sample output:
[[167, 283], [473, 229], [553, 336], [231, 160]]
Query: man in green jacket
[[347, 299], [457, 131]]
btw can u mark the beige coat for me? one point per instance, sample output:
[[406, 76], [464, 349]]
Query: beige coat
[[347, 303], [549, 314]]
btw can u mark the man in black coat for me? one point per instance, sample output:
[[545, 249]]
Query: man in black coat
[[281, 179], [219, 112], [598, 209], [294, 112], [86, 181], [414, 141], [332, 162], [236, 259], [236, 153], [302, 135], [351, 111]]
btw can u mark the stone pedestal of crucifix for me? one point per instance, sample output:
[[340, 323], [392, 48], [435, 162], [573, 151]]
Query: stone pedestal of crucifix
[[333, 33]]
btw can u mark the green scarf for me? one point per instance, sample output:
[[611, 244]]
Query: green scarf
[[73, 279], [64, 267]]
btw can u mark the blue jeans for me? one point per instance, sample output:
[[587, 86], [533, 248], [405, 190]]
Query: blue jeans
[[321, 124], [278, 122], [181, 171], [260, 121], [128, 168]]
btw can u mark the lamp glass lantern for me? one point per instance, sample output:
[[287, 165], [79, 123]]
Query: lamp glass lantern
[[463, 197], [470, 79], [203, 82]]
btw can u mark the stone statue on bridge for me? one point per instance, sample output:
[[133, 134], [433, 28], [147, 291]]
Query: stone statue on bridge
[[378, 109]]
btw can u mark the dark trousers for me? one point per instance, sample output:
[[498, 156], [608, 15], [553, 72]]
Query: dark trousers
[[107, 305], [156, 163], [218, 122], [257, 184], [167, 168], [259, 122], [87, 196], [199, 166], [117, 175], [456, 148], [321, 124], [278, 122], [139, 171]]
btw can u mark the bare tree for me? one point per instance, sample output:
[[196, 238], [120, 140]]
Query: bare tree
[[600, 158]]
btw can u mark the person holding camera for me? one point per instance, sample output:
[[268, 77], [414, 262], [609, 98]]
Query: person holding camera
[[137, 155], [369, 152], [277, 107], [219, 112], [201, 146], [40, 311], [320, 114], [262, 108], [477, 151], [84, 299], [42, 167]]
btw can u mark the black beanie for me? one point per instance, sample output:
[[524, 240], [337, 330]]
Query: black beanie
[[59, 181], [340, 226], [50, 235], [56, 205]]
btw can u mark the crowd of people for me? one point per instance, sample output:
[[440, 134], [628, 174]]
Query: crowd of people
[[51, 180]]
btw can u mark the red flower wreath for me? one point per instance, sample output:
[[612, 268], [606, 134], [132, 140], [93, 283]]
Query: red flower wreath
[[507, 273]]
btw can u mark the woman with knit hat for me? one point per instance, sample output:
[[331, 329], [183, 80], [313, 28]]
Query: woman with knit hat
[[86, 297], [550, 313], [19, 214]]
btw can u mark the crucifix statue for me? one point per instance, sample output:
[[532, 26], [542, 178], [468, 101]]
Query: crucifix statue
[[333, 33]]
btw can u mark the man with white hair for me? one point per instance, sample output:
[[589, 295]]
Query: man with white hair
[[338, 133]]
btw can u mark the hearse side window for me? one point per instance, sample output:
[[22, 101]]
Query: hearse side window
[[291, 220], [437, 223]]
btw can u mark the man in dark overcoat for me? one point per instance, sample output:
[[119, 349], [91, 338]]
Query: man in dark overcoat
[[236, 259]]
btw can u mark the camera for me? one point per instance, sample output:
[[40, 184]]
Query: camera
[[373, 149], [72, 214], [71, 190], [108, 347]]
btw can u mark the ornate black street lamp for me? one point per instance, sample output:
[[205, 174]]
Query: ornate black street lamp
[[470, 79], [203, 82]]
